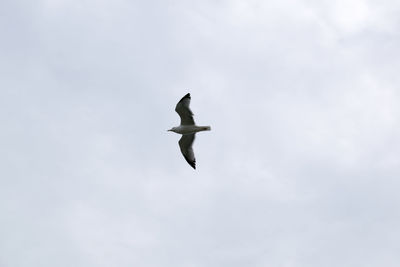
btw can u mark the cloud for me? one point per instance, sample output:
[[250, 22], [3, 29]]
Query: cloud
[[300, 168]]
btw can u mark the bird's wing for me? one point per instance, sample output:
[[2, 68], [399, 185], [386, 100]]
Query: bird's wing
[[185, 143], [182, 108]]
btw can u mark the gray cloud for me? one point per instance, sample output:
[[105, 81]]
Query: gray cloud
[[301, 166]]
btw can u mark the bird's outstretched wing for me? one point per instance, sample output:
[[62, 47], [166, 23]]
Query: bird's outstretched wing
[[185, 143], [182, 108]]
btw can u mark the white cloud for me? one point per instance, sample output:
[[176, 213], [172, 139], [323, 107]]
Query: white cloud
[[300, 168]]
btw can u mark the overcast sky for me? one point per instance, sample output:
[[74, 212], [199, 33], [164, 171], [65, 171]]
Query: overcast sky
[[301, 168]]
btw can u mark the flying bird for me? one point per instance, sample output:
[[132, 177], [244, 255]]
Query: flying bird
[[187, 129]]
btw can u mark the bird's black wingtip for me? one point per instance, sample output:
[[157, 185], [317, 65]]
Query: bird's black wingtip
[[185, 97], [191, 163]]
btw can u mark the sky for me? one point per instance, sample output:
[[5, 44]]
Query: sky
[[301, 167]]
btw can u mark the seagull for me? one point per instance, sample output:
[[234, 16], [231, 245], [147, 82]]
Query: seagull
[[187, 129]]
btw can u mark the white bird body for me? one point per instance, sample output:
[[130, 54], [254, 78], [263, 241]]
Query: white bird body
[[187, 129]]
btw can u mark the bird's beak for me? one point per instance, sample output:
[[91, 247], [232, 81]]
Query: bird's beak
[[169, 130]]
